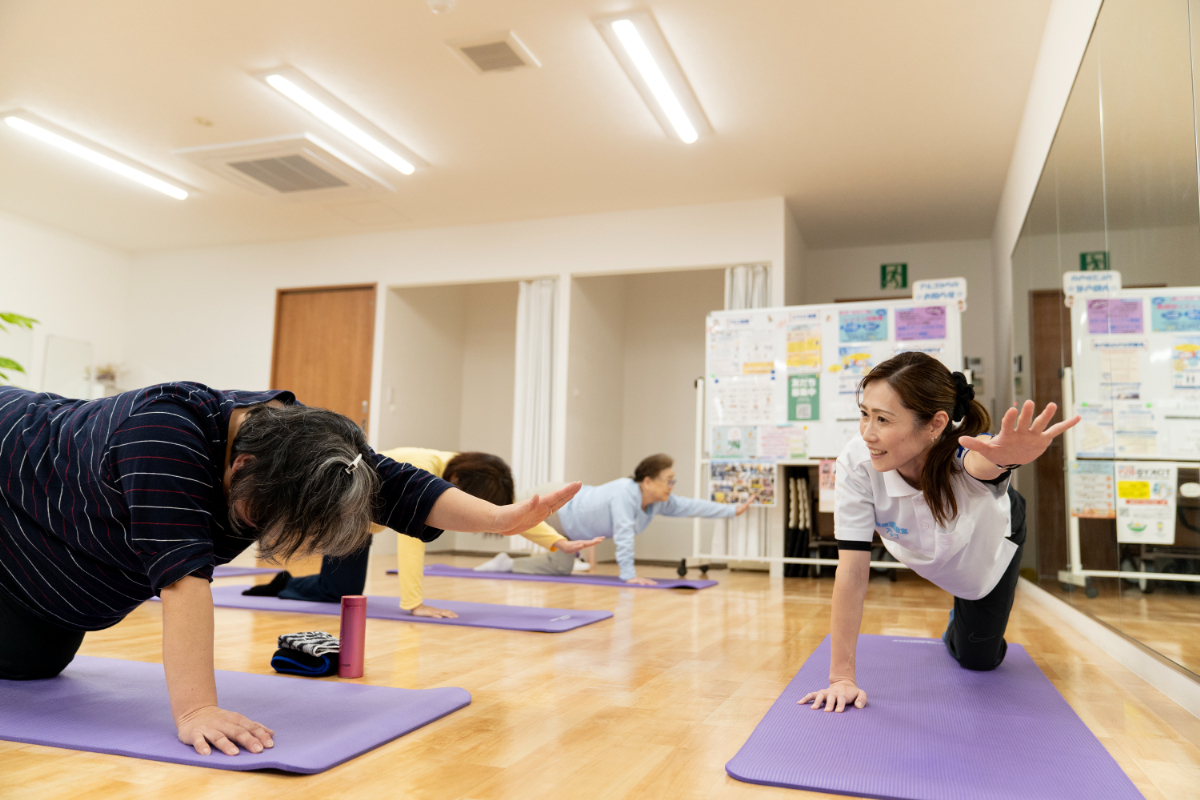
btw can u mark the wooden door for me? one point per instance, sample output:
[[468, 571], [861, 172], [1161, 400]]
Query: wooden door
[[324, 340], [1050, 340]]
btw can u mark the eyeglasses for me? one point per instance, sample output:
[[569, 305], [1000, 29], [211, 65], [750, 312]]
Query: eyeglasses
[[670, 483]]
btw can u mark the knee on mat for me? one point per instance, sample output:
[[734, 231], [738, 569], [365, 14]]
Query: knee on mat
[[37, 671], [982, 660]]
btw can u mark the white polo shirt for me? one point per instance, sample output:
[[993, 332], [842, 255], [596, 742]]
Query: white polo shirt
[[967, 558]]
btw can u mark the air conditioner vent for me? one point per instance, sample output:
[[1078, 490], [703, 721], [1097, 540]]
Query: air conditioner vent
[[288, 174], [499, 52], [300, 167]]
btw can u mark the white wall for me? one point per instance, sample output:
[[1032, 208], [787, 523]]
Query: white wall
[[488, 368], [853, 272], [794, 255], [75, 288], [596, 380]]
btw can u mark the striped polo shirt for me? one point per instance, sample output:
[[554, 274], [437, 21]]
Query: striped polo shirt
[[105, 502]]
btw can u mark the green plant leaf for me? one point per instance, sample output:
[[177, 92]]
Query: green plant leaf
[[8, 363], [18, 319]]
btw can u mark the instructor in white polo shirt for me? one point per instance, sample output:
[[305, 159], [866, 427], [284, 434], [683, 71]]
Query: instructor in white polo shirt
[[926, 476]]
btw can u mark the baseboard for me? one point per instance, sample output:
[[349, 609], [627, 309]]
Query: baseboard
[[1177, 683]]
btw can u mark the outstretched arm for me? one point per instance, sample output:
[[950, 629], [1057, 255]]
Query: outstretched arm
[[458, 511], [1022, 438]]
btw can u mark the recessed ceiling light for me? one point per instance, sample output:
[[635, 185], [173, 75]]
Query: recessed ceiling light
[[639, 45], [302, 91], [90, 151]]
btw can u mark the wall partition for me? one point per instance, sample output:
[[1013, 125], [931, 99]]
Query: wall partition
[[1106, 323]]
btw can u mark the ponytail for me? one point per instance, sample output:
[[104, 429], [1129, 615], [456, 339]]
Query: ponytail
[[925, 386]]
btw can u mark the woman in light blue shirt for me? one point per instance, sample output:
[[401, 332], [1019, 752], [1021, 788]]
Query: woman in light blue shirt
[[620, 510]]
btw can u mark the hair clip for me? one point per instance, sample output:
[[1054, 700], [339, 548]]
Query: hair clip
[[354, 464]]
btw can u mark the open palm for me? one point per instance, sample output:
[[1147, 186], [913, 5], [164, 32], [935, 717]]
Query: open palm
[[520, 517], [1022, 437]]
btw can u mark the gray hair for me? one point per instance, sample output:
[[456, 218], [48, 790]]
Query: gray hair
[[305, 489]]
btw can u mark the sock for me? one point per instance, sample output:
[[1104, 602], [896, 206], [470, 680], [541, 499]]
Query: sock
[[272, 589], [295, 662], [502, 562]]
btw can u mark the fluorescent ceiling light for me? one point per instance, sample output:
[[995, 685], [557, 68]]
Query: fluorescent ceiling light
[[298, 88], [642, 50], [77, 146]]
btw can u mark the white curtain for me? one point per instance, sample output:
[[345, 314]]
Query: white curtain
[[534, 390], [746, 286]]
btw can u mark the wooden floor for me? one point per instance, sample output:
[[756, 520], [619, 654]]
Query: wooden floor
[[650, 704], [1167, 620]]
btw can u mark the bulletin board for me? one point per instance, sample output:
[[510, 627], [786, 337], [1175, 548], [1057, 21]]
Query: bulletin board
[[1136, 370], [780, 383]]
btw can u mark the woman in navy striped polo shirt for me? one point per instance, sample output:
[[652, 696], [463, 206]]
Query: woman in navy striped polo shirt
[[107, 503]]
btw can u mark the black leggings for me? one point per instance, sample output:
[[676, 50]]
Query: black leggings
[[975, 636], [30, 647], [338, 577]]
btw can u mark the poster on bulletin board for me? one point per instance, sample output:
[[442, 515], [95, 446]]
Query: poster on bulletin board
[[1136, 372], [782, 383]]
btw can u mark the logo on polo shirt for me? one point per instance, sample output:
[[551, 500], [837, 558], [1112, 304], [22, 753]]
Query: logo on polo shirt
[[891, 530]]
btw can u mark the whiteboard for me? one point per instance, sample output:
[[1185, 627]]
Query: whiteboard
[[780, 383], [1136, 369]]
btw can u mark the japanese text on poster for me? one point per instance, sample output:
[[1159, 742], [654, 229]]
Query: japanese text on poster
[[1092, 491], [1146, 502]]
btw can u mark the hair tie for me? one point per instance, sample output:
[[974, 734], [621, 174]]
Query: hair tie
[[354, 464], [964, 393]]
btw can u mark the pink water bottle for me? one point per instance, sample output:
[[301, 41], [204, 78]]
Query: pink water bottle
[[353, 636]]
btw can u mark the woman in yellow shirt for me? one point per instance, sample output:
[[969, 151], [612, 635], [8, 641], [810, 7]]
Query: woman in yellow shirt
[[483, 475]]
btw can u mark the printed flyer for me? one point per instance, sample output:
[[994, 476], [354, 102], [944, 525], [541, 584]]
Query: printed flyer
[[1146, 502]]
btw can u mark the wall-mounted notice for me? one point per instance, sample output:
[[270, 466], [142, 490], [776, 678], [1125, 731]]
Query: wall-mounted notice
[[1146, 502], [743, 400], [736, 482], [863, 325], [1170, 314], [943, 290], [743, 345], [803, 331], [804, 398], [922, 322], [1135, 429], [1179, 435], [735, 441], [855, 362], [827, 479], [1185, 366], [782, 442], [1082, 286], [1110, 315], [1094, 436], [1092, 492]]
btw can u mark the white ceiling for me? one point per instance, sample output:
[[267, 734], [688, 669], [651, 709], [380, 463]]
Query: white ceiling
[[879, 121]]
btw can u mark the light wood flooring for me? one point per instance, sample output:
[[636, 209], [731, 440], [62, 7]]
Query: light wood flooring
[[1167, 620], [650, 704]]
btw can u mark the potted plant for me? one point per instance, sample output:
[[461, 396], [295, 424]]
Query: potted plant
[[21, 322]]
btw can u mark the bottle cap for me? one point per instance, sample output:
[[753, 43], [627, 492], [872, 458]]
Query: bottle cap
[[354, 600]]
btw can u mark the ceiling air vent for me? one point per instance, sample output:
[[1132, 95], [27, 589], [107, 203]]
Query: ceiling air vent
[[499, 52], [293, 167]]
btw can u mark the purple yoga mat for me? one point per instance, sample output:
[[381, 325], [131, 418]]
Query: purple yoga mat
[[226, 571], [446, 571], [105, 705], [931, 731], [473, 615]]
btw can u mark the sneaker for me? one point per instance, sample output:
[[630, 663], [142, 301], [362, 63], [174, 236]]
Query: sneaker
[[580, 566], [501, 563]]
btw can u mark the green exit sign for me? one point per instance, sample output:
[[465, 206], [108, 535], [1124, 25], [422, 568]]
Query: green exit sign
[[1094, 262], [893, 276]]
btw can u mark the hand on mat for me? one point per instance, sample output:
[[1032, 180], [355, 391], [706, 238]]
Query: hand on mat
[[836, 697], [1022, 438], [520, 517], [642, 581], [433, 613], [571, 546], [223, 728]]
